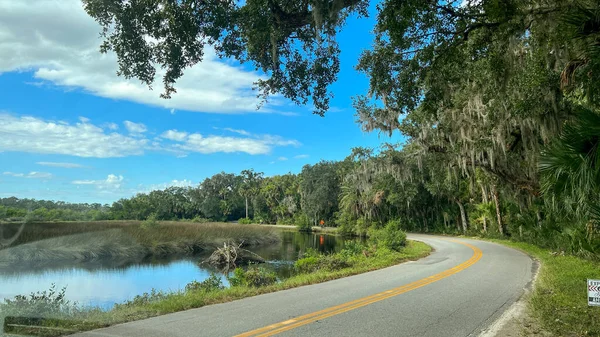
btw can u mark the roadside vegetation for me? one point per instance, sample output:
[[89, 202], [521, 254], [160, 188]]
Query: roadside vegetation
[[64, 316], [559, 299]]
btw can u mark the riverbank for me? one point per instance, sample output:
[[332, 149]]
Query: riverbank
[[348, 262], [127, 240]]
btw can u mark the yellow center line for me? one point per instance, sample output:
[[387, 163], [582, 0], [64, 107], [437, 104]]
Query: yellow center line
[[295, 322]]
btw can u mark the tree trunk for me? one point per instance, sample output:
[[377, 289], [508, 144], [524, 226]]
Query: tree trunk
[[463, 216], [498, 214], [485, 200], [246, 207]]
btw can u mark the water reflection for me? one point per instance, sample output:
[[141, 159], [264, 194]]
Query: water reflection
[[106, 282]]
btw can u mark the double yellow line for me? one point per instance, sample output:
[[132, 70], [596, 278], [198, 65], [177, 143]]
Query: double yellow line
[[293, 323]]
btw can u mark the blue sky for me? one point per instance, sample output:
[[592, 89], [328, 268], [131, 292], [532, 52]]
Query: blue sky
[[71, 130]]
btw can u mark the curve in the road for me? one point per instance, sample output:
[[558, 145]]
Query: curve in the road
[[290, 324], [459, 290]]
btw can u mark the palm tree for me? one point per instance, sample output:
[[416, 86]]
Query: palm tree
[[570, 167]]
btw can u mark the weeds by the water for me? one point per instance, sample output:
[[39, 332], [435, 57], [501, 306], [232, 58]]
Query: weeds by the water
[[253, 281]]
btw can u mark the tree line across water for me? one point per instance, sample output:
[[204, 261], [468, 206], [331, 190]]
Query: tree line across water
[[498, 101]]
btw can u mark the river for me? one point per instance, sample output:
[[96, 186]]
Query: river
[[104, 283]]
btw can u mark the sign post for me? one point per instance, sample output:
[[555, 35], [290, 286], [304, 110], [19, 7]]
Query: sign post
[[593, 292]]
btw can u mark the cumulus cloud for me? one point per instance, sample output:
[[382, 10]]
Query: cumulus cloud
[[111, 182], [112, 126], [282, 158], [59, 42], [33, 174], [63, 165], [301, 156], [83, 139], [174, 135], [135, 127], [163, 186], [34, 135], [256, 145]]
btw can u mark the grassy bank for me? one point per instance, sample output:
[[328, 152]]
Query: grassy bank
[[559, 301], [322, 268], [82, 241]]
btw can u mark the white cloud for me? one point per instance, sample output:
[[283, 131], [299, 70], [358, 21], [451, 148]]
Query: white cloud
[[174, 135], [112, 182], [241, 132], [112, 126], [34, 135], [32, 174], [301, 156], [163, 186], [282, 158], [63, 165], [135, 127], [60, 43], [172, 111], [212, 144]]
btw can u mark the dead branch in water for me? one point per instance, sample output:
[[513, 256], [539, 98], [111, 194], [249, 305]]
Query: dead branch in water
[[231, 254]]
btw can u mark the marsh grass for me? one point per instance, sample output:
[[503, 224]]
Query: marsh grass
[[83, 241], [160, 303]]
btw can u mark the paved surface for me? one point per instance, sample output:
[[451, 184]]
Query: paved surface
[[463, 303]]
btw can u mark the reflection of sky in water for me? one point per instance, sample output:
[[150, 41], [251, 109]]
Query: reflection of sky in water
[[102, 285], [106, 286]]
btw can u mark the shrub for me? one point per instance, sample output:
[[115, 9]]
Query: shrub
[[303, 223], [253, 277], [259, 277], [150, 222], [391, 236], [199, 219], [146, 298], [334, 262], [48, 302], [353, 248], [245, 221], [307, 264], [212, 283]]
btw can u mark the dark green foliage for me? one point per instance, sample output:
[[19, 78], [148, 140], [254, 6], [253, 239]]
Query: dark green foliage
[[245, 221], [302, 223], [391, 236], [252, 277], [212, 283]]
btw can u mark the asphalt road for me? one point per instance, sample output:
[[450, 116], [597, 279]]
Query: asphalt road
[[459, 290]]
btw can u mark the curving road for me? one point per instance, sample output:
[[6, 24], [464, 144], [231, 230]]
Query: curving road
[[459, 290]]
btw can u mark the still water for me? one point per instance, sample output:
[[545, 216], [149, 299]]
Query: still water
[[104, 283]]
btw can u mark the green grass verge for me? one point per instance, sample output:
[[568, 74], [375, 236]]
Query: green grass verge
[[68, 317], [559, 300]]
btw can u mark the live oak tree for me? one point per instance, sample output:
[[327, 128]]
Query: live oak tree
[[506, 90]]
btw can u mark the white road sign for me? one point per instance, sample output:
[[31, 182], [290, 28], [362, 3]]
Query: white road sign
[[594, 292]]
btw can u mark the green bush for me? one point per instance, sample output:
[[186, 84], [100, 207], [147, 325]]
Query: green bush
[[307, 264], [150, 222], [391, 236], [212, 283], [253, 277], [200, 219], [245, 221], [312, 261], [302, 223], [353, 249]]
